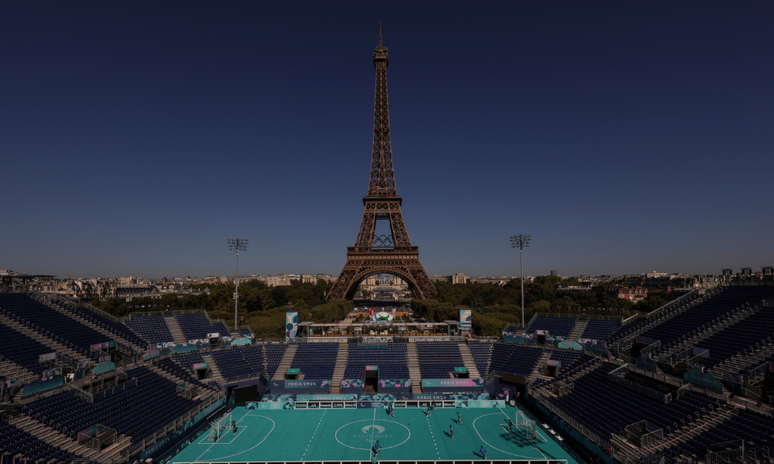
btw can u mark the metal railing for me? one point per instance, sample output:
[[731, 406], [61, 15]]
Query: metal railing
[[673, 303], [602, 442], [168, 428]]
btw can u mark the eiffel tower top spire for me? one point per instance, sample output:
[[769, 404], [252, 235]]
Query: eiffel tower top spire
[[382, 182]]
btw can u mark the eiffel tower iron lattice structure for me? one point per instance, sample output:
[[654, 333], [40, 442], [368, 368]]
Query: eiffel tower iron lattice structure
[[376, 254]]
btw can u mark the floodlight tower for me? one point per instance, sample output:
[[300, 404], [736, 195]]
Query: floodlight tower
[[521, 241], [237, 244]]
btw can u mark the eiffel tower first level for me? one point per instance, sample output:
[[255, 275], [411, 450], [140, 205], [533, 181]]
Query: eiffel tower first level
[[372, 253]]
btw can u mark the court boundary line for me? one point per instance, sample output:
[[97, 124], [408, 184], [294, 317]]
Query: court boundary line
[[494, 447], [273, 426]]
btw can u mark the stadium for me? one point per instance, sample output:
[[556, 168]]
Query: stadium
[[689, 382]]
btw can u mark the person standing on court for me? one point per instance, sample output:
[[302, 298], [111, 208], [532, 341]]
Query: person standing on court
[[483, 452], [376, 448], [459, 418], [451, 431]]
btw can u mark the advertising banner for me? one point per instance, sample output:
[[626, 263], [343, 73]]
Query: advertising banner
[[198, 366], [466, 320], [372, 368], [345, 397], [291, 325], [451, 385], [103, 345], [278, 402], [703, 379], [394, 386], [480, 404], [50, 373], [151, 353], [299, 386], [241, 341], [352, 386]]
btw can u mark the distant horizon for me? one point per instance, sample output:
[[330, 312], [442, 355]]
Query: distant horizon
[[510, 276], [138, 137]]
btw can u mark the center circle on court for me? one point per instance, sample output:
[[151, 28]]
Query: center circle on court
[[362, 434]]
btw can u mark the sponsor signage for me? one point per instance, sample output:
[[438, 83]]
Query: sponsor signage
[[291, 325], [394, 386], [349, 397], [444, 385], [151, 353], [198, 366], [299, 386], [352, 385], [466, 320]]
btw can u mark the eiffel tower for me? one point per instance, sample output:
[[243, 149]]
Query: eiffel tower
[[376, 254]]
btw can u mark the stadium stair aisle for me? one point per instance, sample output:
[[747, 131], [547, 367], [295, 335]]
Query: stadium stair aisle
[[175, 330], [741, 361], [10, 370], [54, 438], [470, 363], [216, 374], [54, 345], [679, 437], [537, 371], [413, 366], [341, 366], [709, 331], [89, 324], [287, 361], [578, 329]]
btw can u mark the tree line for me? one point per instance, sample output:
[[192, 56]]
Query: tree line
[[263, 308], [494, 306], [260, 307]]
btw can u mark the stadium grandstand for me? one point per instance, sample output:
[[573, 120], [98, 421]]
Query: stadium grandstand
[[690, 382]]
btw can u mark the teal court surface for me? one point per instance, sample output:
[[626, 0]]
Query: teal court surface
[[317, 435]]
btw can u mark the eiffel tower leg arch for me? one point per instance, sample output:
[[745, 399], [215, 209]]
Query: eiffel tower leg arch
[[362, 265]]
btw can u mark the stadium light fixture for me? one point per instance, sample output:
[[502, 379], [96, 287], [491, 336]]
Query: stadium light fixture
[[237, 244], [521, 241]]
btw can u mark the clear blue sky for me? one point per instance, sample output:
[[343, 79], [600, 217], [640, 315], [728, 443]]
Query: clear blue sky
[[624, 136]]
